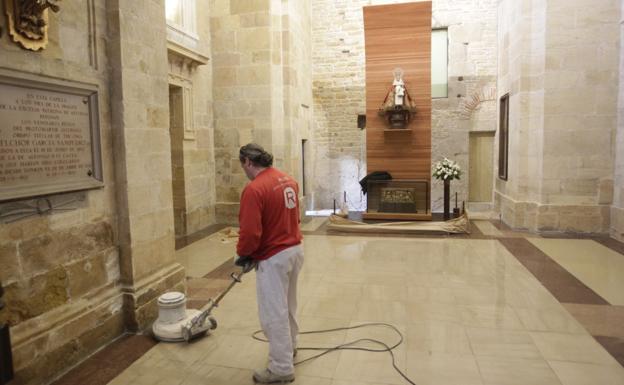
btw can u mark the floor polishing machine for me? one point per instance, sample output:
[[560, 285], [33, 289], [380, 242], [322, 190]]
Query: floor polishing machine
[[175, 323]]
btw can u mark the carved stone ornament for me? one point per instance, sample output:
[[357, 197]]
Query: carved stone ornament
[[28, 21]]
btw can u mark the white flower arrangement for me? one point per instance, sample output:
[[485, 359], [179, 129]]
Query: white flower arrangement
[[446, 170]]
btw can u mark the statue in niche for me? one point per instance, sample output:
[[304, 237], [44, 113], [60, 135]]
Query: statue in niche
[[399, 87], [28, 21], [397, 106]]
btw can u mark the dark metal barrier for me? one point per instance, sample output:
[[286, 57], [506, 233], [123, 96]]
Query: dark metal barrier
[[6, 357]]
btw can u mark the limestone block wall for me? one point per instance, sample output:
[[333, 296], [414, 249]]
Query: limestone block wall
[[241, 52], [339, 96], [579, 127], [617, 209], [562, 113], [472, 69], [256, 66], [339, 93], [199, 163], [521, 55], [61, 271], [140, 120], [297, 90]]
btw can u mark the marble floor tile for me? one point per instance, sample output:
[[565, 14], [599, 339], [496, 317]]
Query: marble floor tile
[[502, 343], [487, 228], [237, 316], [391, 335], [599, 320], [106, 364], [490, 316], [469, 311], [564, 286], [384, 292], [438, 337], [442, 369], [382, 311], [597, 266], [554, 319], [571, 347], [417, 312], [426, 294], [328, 339], [481, 295], [347, 291], [235, 351], [356, 365], [203, 374], [203, 256], [329, 307], [516, 371], [361, 382], [575, 373], [614, 345], [322, 367]]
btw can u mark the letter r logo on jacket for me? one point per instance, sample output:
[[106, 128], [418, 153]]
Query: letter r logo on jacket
[[290, 198]]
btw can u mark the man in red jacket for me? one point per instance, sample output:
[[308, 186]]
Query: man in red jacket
[[269, 234]]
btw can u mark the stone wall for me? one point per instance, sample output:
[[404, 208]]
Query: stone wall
[[77, 279], [521, 66], [339, 93], [197, 144], [561, 151], [338, 65], [241, 53], [260, 82], [617, 209], [140, 111], [472, 70], [61, 270], [297, 90]]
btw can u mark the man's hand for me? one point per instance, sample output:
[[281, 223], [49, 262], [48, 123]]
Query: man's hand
[[246, 263]]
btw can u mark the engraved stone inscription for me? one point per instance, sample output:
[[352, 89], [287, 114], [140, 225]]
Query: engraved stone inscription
[[45, 140]]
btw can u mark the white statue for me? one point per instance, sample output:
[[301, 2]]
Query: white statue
[[399, 87]]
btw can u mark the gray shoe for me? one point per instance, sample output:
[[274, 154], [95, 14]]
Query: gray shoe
[[267, 377]]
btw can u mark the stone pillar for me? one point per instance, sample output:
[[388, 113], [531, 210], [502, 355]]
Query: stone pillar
[[241, 51], [561, 140], [251, 80], [140, 111], [617, 209], [521, 35]]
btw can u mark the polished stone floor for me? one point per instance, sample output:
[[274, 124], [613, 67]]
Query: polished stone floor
[[496, 307]]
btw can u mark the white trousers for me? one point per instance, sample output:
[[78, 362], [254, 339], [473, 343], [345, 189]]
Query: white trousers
[[276, 287]]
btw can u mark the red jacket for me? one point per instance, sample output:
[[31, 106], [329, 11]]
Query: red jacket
[[269, 215]]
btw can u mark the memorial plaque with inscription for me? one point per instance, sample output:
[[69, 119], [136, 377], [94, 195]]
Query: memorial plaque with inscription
[[49, 137]]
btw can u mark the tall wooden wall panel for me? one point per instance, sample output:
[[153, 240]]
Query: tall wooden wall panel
[[399, 35]]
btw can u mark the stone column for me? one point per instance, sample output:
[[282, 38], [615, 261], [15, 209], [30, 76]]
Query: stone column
[[140, 120], [561, 140], [243, 55], [617, 209]]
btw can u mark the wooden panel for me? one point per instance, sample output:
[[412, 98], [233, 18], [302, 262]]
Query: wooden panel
[[399, 35], [480, 167]]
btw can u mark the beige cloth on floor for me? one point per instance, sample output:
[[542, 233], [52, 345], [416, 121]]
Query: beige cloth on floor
[[455, 226]]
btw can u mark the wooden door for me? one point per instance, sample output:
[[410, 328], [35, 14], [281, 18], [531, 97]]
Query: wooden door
[[480, 171]]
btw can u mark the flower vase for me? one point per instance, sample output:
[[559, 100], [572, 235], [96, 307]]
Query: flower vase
[[447, 199]]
